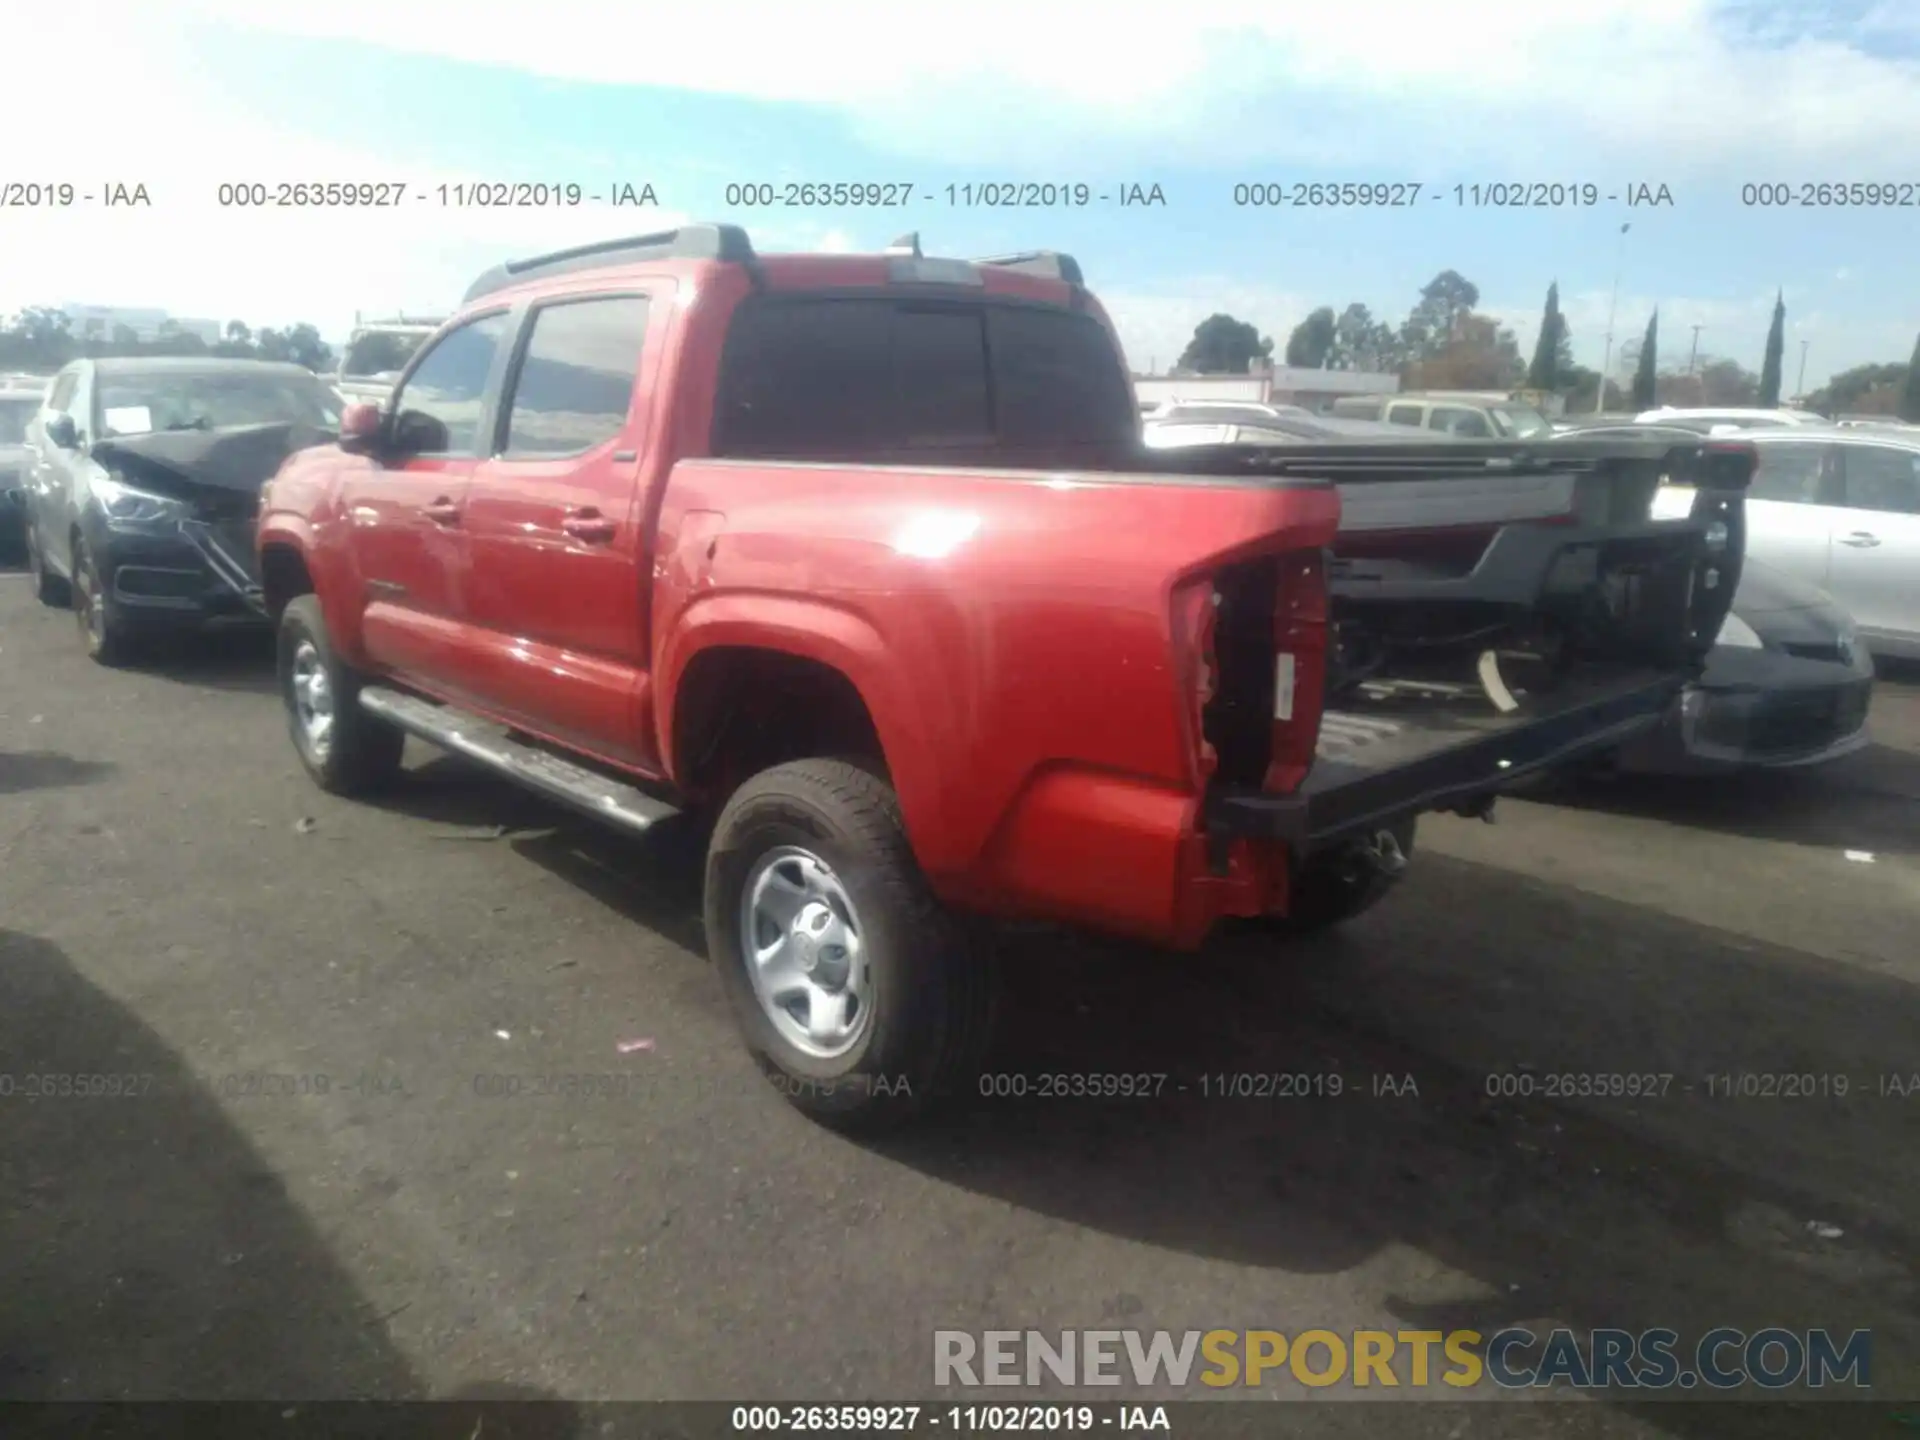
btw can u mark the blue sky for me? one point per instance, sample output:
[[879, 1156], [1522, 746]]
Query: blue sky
[[1700, 97]]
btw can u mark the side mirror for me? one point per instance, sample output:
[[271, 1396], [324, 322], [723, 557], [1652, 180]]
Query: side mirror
[[63, 432], [360, 429], [417, 433]]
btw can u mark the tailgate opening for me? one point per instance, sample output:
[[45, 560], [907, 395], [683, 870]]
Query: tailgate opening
[[1459, 663]]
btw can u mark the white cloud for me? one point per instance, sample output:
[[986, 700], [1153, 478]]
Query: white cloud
[[160, 122], [1665, 83]]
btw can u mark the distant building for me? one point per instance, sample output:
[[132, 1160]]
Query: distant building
[[1266, 385], [99, 322]]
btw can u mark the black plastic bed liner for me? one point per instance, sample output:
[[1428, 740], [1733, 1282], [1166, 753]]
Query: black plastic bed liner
[[1389, 758]]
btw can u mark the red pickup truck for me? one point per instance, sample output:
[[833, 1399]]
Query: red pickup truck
[[862, 559]]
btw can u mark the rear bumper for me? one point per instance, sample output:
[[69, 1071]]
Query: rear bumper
[[1128, 856]]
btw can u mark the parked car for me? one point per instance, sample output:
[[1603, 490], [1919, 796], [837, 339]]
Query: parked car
[[862, 559], [1751, 418], [18, 405], [145, 482], [1468, 416], [1788, 684], [1165, 432], [1223, 412], [1840, 509]]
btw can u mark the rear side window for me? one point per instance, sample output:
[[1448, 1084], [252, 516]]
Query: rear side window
[[831, 377], [1357, 409], [1789, 473], [1404, 415], [576, 378], [1879, 477]]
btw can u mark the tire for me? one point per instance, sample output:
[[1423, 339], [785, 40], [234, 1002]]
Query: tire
[[354, 753], [104, 632], [49, 589], [1333, 888], [925, 992]]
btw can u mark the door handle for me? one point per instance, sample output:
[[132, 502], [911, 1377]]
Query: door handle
[[590, 526], [1861, 540], [442, 512]]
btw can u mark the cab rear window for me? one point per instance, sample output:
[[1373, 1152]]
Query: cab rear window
[[837, 377]]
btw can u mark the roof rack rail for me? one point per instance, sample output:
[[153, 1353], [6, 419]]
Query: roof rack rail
[[689, 242], [1049, 263]]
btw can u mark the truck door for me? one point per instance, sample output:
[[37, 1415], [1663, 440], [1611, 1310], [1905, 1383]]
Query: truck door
[[406, 514], [557, 590]]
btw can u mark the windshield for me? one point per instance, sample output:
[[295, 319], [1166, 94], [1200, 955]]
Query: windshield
[[138, 404], [15, 412], [377, 352], [1521, 421]]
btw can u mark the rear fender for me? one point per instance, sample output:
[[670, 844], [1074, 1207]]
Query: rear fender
[[832, 636]]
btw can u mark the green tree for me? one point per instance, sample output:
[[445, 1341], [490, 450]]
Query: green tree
[[1311, 344], [1434, 323], [1646, 372], [1776, 347], [305, 347], [1546, 371], [1482, 355], [238, 333], [1910, 392], [1221, 345], [1846, 390]]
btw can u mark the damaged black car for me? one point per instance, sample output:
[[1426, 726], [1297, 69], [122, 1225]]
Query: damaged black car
[[145, 490]]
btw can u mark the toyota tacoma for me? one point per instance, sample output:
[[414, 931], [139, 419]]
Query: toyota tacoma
[[861, 558]]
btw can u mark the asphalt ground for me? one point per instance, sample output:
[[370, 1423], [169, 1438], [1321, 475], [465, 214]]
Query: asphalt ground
[[180, 907]]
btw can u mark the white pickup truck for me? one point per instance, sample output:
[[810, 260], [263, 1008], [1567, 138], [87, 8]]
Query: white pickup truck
[[376, 353]]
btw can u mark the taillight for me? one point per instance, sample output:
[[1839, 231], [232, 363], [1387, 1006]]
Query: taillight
[[1197, 614], [1300, 668]]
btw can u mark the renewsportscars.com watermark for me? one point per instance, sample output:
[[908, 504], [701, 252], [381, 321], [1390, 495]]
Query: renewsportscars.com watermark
[[1513, 1359]]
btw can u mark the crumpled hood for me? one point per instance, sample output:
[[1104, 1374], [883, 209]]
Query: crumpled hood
[[236, 457]]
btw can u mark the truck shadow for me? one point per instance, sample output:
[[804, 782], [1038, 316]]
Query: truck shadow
[[149, 1252], [1686, 1208]]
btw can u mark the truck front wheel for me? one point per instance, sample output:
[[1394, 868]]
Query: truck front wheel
[[1334, 887], [859, 996], [346, 750]]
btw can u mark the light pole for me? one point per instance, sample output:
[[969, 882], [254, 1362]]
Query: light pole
[[1800, 385], [1694, 355], [1606, 365]]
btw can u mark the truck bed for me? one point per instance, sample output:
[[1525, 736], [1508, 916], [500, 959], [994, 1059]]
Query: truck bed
[[1496, 610]]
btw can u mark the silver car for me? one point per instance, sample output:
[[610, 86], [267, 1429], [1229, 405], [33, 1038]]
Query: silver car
[[1840, 509], [19, 403]]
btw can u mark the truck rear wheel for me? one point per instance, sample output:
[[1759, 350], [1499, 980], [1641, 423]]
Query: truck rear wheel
[[1335, 887], [345, 750], [859, 996]]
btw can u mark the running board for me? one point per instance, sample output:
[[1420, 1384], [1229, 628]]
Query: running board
[[539, 770]]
